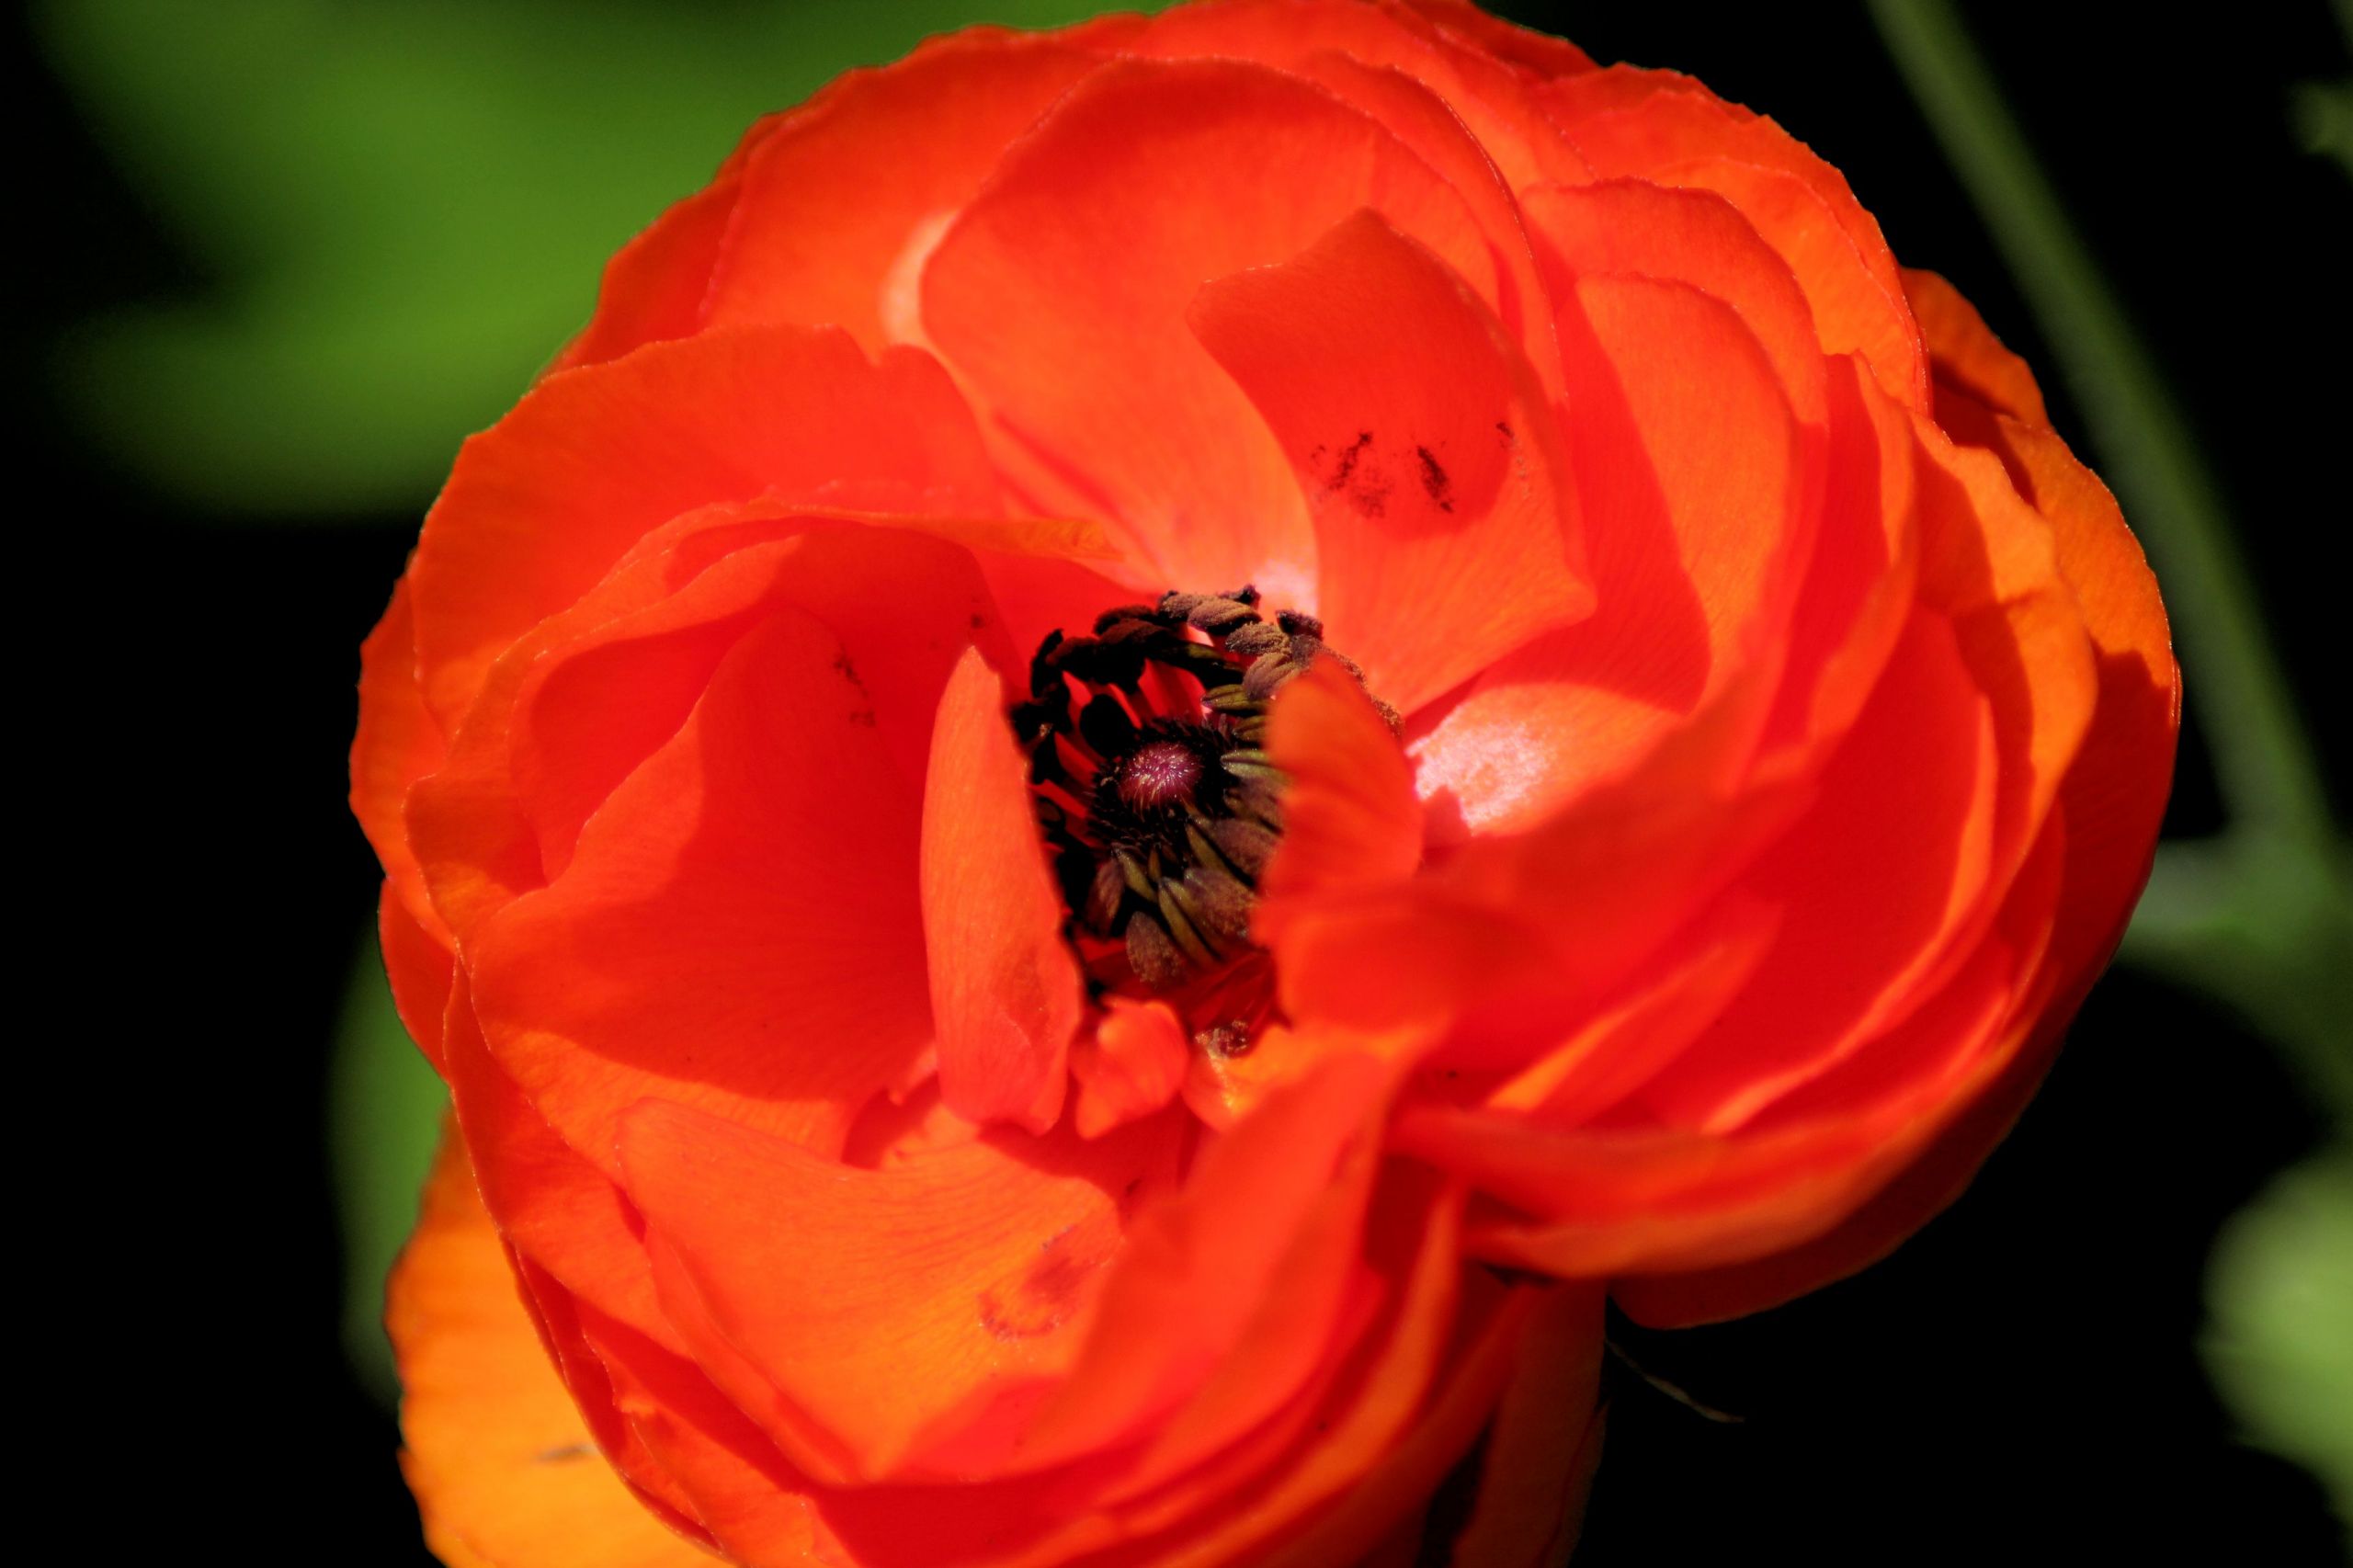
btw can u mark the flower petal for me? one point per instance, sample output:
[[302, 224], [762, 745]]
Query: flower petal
[[419, 970], [1058, 296], [558, 1212], [398, 742], [504, 1468], [1194, 1270], [1424, 446], [1132, 1065], [2111, 802], [1545, 1442], [1683, 439], [740, 927], [852, 1312], [1005, 994], [834, 199], [1964, 355], [1350, 820], [656, 286], [1658, 127], [540, 505]]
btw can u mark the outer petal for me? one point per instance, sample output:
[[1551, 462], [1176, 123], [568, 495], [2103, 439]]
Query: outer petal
[[2112, 800], [1965, 358], [1006, 996], [557, 1210], [503, 1465], [656, 285], [1654, 126], [398, 742], [1424, 445], [839, 203], [419, 970], [1538, 54], [542, 506], [1495, 100], [1545, 1443]]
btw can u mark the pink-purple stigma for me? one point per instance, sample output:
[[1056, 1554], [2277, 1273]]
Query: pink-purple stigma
[[1160, 773]]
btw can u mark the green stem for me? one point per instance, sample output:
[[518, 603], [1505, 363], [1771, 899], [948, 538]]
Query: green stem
[[2270, 779]]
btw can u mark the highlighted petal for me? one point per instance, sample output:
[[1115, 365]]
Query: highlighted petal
[[1006, 995], [1632, 228]]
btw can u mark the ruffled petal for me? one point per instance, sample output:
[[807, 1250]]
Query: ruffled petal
[[2111, 802], [1896, 850], [1493, 101], [1539, 54], [1634, 1198]]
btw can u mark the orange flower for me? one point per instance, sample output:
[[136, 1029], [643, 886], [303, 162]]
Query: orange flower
[[978, 1038]]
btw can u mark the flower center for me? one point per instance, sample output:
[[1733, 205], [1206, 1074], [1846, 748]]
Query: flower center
[[1157, 802]]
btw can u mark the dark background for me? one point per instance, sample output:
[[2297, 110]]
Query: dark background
[[2019, 1383]]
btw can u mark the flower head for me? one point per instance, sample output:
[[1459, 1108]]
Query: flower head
[[1168, 734]]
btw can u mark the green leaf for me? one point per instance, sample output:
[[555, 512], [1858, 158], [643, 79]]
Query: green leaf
[[2280, 1299], [384, 1109], [405, 209]]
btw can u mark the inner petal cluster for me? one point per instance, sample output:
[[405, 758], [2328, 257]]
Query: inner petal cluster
[[1157, 802]]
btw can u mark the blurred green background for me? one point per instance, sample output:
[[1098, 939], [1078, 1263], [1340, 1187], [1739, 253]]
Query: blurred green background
[[337, 236]]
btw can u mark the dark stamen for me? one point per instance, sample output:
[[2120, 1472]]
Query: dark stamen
[[1157, 799]]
